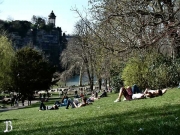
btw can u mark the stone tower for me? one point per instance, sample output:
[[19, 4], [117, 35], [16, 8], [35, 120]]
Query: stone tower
[[52, 18]]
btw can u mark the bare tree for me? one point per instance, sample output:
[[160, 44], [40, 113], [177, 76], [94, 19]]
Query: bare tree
[[137, 24], [70, 61], [118, 29]]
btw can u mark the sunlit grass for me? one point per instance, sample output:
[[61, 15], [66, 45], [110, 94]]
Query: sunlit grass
[[156, 116]]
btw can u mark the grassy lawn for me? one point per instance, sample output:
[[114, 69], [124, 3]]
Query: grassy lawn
[[156, 116]]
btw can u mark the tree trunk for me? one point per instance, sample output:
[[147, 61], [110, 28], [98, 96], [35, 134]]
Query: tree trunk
[[100, 83], [80, 77], [91, 84], [105, 83]]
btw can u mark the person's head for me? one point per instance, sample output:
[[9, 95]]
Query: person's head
[[160, 92], [149, 94], [55, 106]]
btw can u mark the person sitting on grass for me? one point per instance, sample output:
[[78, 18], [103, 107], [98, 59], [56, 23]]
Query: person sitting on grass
[[83, 103], [71, 103], [104, 94], [63, 102], [93, 97], [42, 106], [76, 94], [126, 92]]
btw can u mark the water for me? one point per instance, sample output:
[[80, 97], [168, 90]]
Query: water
[[75, 81]]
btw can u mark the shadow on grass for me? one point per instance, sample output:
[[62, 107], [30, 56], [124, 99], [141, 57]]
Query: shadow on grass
[[151, 121], [8, 120]]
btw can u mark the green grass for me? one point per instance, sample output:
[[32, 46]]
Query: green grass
[[156, 116]]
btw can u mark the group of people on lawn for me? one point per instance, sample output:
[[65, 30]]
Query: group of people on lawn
[[133, 92], [78, 101], [81, 100]]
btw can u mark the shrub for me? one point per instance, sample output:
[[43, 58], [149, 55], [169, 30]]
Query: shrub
[[151, 70], [117, 83]]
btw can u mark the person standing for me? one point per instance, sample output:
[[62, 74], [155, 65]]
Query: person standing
[[42, 105], [29, 99], [12, 100], [17, 100], [22, 99]]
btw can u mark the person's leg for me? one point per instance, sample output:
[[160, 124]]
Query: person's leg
[[68, 103], [44, 107], [11, 103], [17, 103], [96, 94], [120, 95], [137, 90], [74, 105], [41, 105], [164, 91], [146, 91], [102, 95], [127, 93], [133, 89], [22, 103]]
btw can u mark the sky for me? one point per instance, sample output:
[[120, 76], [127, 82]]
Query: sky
[[25, 9]]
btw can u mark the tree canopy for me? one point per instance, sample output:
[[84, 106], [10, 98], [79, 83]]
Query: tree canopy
[[6, 57], [114, 31], [31, 71]]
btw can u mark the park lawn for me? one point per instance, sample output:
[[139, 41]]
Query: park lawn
[[155, 116]]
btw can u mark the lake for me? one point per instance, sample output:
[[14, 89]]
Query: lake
[[75, 81]]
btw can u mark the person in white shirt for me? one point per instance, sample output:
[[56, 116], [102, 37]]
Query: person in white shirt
[[149, 93]]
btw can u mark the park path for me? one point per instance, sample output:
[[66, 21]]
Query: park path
[[18, 107]]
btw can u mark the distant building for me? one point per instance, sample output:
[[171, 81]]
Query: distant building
[[52, 19]]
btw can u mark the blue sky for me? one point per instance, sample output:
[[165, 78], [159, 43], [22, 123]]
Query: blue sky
[[25, 9]]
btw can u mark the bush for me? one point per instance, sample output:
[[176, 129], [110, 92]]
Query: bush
[[152, 70], [117, 83]]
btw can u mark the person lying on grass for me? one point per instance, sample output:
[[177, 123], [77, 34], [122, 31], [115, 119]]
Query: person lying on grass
[[54, 107], [43, 107], [154, 93], [149, 94], [128, 95], [93, 97], [76, 104], [126, 92]]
